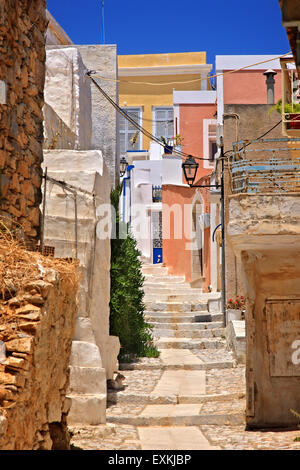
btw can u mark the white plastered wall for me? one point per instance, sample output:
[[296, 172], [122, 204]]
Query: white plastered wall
[[68, 92]]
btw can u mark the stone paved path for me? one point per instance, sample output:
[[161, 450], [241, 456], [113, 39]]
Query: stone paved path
[[193, 396]]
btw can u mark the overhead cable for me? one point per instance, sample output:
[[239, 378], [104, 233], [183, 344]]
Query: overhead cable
[[193, 80]]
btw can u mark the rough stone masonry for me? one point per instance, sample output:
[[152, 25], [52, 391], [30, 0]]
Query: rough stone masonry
[[37, 320], [22, 70]]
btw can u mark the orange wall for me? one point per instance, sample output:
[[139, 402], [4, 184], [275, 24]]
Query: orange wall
[[249, 87], [191, 129], [175, 255]]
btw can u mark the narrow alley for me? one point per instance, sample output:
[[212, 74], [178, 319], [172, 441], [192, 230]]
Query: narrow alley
[[190, 398]]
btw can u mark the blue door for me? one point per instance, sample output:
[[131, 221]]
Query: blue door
[[157, 255]]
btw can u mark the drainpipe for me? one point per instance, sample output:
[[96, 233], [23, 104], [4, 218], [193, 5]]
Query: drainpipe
[[129, 168], [270, 85]]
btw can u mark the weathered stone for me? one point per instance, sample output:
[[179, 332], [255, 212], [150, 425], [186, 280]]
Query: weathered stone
[[36, 371], [3, 425], [16, 363], [20, 345], [85, 354], [30, 312]]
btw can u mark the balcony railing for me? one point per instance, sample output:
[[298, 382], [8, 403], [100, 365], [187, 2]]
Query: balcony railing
[[156, 193], [254, 172], [290, 103]]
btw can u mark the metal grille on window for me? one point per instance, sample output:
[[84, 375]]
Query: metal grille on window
[[157, 229]]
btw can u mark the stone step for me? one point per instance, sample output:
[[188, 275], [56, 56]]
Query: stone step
[[170, 279], [180, 317], [175, 366], [204, 317], [166, 285], [178, 415], [87, 409], [175, 438], [175, 297], [196, 333], [189, 343], [138, 398], [175, 306], [161, 289], [155, 270], [186, 326]]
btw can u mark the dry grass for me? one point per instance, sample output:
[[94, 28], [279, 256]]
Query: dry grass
[[19, 266]]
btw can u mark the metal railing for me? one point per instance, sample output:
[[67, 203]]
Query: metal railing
[[253, 171], [156, 193]]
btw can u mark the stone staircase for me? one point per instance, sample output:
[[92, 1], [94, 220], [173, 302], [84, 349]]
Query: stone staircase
[[182, 317], [188, 331]]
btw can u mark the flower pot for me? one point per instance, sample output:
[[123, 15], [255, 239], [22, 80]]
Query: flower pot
[[234, 314], [168, 149]]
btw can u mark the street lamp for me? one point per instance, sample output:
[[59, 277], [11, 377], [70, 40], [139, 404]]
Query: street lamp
[[123, 166], [190, 167]]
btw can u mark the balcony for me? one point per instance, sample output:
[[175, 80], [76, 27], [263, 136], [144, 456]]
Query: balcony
[[290, 103], [156, 193], [266, 170]]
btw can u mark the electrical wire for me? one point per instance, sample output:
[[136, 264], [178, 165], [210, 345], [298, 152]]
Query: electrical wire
[[195, 79], [260, 137], [151, 136], [135, 124]]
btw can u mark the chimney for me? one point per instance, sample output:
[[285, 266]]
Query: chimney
[[270, 85]]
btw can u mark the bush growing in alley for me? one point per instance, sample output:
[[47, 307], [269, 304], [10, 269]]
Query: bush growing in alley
[[126, 301]]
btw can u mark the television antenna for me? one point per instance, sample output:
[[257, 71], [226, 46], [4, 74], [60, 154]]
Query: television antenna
[[102, 16]]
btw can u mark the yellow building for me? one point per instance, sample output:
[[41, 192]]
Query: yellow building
[[146, 84]]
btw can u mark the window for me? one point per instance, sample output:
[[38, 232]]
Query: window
[[210, 147], [212, 150], [163, 123], [130, 137]]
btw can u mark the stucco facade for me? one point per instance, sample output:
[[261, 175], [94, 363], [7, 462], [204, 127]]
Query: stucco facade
[[148, 81]]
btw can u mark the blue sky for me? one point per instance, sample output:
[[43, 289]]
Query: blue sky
[[158, 26]]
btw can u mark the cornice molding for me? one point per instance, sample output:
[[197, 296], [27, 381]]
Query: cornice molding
[[164, 70]]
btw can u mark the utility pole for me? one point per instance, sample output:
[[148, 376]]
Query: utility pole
[[223, 232], [103, 27]]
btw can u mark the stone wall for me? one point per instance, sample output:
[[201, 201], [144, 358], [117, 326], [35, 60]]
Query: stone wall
[[264, 231], [22, 65], [37, 320], [94, 351], [105, 124]]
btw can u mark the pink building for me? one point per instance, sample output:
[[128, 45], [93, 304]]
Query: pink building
[[194, 114]]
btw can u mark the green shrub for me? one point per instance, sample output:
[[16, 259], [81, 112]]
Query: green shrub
[[288, 107], [126, 301]]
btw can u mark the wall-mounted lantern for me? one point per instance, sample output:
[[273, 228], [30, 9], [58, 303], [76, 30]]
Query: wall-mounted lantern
[[123, 166]]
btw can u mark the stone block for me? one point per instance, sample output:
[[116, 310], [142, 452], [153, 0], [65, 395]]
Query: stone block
[[87, 409], [85, 354], [87, 380], [109, 354], [83, 330], [236, 339]]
